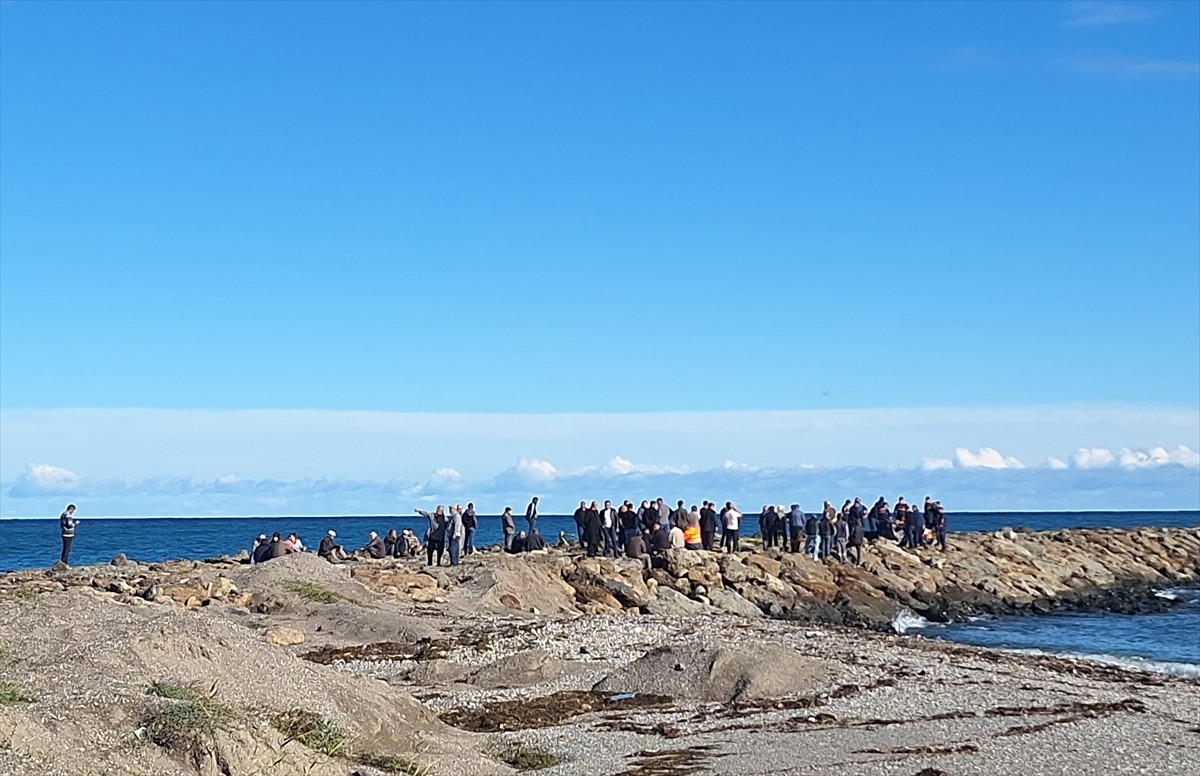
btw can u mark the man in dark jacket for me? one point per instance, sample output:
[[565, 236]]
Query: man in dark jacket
[[375, 548], [578, 516], [636, 548], [660, 542], [812, 534], [825, 529], [854, 542], [708, 525], [66, 526], [591, 530], [470, 523]]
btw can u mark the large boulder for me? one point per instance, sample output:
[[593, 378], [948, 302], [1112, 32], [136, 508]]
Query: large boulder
[[722, 674], [732, 603], [672, 603]]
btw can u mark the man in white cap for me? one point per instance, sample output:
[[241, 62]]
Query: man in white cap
[[330, 550]]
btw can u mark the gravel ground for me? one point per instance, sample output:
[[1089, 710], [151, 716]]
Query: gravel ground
[[921, 705]]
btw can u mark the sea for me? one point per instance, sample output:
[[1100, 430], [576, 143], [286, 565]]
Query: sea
[[1166, 642]]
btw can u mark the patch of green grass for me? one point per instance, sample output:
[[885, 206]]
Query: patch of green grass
[[191, 716], [13, 694], [524, 758], [310, 591], [25, 594], [318, 733], [390, 763]]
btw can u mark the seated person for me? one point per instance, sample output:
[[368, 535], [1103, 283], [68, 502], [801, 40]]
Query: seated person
[[636, 548], [258, 553], [330, 550], [391, 544], [518, 543], [660, 542], [375, 547], [408, 546]]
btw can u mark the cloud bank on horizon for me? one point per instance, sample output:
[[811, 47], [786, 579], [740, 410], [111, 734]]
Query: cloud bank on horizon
[[973, 480], [288, 462]]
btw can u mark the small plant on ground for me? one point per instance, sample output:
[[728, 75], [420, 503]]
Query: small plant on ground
[[310, 591], [390, 763], [524, 758], [192, 716], [25, 594], [13, 694], [318, 733]]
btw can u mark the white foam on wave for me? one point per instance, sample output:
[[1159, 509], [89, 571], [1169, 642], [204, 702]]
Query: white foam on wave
[[906, 619], [1132, 662]]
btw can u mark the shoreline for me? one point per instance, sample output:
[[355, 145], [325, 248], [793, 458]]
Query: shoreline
[[496, 662]]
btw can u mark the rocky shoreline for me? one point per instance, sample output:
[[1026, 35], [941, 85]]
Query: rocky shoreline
[[574, 665]]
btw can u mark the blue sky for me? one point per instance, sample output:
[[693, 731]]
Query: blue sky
[[470, 215]]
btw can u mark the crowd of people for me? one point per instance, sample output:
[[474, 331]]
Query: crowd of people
[[649, 530]]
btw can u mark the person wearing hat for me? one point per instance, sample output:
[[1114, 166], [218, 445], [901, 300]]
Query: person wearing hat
[[257, 551], [331, 550], [374, 547]]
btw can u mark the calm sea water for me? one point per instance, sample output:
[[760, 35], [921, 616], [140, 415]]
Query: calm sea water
[[1164, 642]]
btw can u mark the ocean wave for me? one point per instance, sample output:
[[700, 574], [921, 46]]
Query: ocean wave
[[906, 619], [1132, 662]]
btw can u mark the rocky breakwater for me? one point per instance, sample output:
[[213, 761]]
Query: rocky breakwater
[[1001, 572]]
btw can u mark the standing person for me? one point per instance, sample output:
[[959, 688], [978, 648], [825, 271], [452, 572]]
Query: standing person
[[733, 517], [647, 515], [627, 517], [664, 514], [608, 526], [531, 515], [470, 523], [435, 535], [692, 536], [812, 535], [841, 538], [592, 530], [679, 516], [455, 534], [855, 534], [826, 528], [66, 526], [939, 525], [579, 516], [796, 526], [708, 525], [507, 527]]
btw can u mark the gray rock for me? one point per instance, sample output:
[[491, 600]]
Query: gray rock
[[672, 603], [732, 603], [719, 673]]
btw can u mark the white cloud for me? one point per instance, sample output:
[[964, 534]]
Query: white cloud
[[985, 458], [1105, 14], [1158, 456], [934, 464], [289, 445], [1157, 477], [535, 471], [1093, 458], [1057, 464], [43, 479]]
